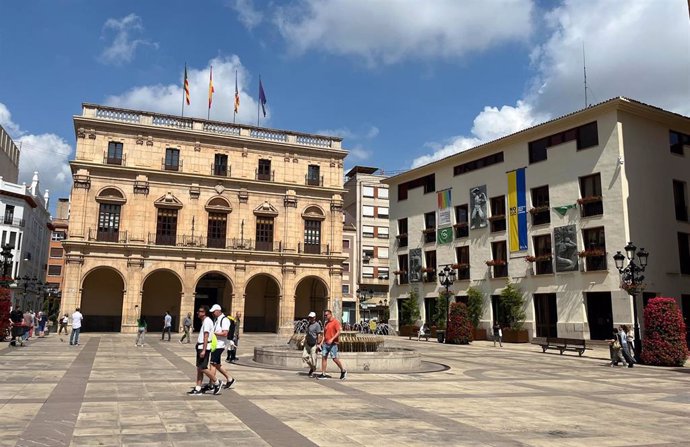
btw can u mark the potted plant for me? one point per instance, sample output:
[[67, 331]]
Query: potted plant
[[475, 309], [511, 309], [538, 209], [409, 314], [592, 252], [495, 262], [588, 199], [441, 314]]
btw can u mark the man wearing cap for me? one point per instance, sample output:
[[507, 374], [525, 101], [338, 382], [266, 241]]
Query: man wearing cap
[[203, 354], [221, 328], [312, 338]]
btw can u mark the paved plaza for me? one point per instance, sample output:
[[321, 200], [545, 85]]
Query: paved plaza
[[108, 392]]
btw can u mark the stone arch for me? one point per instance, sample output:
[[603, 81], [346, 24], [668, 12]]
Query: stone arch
[[213, 287], [102, 295], [111, 194], [311, 294], [218, 204], [313, 212], [262, 303], [161, 291], [312, 218]]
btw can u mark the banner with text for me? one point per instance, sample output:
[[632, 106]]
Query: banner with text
[[517, 204]]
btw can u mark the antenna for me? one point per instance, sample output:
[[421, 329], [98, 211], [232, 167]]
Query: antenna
[[584, 68]]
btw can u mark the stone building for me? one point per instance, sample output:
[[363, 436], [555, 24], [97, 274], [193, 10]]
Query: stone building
[[590, 182], [170, 213], [56, 259], [9, 158]]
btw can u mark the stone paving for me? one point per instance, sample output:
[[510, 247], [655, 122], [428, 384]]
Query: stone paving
[[109, 392]]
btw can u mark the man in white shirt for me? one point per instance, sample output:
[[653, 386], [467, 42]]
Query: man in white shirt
[[203, 354], [77, 318], [222, 329], [167, 325]]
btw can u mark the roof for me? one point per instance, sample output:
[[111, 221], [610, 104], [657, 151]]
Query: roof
[[361, 170]]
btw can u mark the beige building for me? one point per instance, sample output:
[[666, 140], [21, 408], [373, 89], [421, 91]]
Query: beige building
[[9, 158], [366, 208], [349, 282], [170, 213], [594, 180]]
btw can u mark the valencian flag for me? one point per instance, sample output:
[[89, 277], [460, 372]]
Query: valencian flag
[[517, 204], [186, 85], [237, 95], [262, 97], [210, 89]]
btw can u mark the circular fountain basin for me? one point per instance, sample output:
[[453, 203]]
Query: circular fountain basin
[[386, 359]]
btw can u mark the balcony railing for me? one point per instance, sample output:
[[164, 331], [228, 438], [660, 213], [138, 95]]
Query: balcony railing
[[115, 236], [15, 222], [113, 160], [166, 166], [313, 180], [221, 170], [265, 176], [314, 249]]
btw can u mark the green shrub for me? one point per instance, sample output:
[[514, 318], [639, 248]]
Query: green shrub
[[410, 308], [441, 310], [460, 330], [511, 307], [664, 342], [475, 305]]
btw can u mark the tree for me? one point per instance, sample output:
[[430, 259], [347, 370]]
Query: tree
[[664, 342], [460, 329], [475, 306], [410, 308], [441, 309], [511, 307]]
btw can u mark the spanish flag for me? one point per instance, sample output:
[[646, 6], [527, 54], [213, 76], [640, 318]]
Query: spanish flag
[[186, 85], [210, 89], [237, 95]]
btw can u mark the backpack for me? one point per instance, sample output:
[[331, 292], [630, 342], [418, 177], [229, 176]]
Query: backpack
[[214, 342]]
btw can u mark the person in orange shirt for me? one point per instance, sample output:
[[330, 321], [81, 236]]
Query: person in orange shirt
[[330, 346]]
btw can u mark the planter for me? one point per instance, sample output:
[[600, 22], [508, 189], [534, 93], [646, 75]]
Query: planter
[[512, 336], [440, 335], [407, 330], [479, 334]]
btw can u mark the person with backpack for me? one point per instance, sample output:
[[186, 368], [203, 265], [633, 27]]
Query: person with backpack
[[221, 329], [312, 338], [203, 354]]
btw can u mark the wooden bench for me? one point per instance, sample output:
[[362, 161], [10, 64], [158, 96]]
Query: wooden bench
[[563, 344]]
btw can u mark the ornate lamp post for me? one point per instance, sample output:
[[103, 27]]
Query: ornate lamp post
[[631, 281], [364, 295], [7, 256], [446, 277]]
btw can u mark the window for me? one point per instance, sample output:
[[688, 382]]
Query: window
[[114, 153], [500, 259], [595, 248], [543, 263], [346, 289], [166, 227], [498, 214], [220, 165], [383, 211], [312, 236], [383, 193], [677, 140], [462, 256], [314, 175], [679, 200], [541, 214], [9, 215], [54, 270], [264, 233], [537, 150], [461, 224], [346, 243], [402, 269], [590, 189], [367, 211], [56, 252], [367, 254], [264, 170], [684, 252], [383, 252], [430, 227], [430, 266], [586, 136], [108, 223], [58, 236], [478, 164], [428, 182], [217, 230], [346, 267], [368, 191], [367, 272], [172, 159], [382, 232], [383, 273], [367, 231], [402, 232]]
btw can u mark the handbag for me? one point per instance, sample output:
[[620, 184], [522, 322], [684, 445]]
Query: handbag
[[616, 344]]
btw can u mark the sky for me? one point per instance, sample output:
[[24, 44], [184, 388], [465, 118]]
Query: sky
[[402, 82]]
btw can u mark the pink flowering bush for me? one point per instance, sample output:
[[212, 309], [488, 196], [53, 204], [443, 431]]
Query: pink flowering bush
[[664, 342], [4, 310], [460, 330]]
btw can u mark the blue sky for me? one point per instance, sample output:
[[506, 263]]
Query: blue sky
[[403, 82]]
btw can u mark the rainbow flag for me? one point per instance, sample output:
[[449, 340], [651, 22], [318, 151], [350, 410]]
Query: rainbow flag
[[517, 206], [443, 199]]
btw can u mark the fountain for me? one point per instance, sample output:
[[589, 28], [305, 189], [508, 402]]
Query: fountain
[[360, 350]]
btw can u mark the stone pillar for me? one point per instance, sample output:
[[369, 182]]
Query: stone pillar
[[131, 302], [286, 304], [71, 296]]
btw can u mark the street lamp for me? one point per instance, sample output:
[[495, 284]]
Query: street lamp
[[7, 256], [631, 280], [446, 277], [364, 295], [27, 284]]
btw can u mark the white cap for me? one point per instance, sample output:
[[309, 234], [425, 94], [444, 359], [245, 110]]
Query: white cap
[[214, 308], [311, 315]]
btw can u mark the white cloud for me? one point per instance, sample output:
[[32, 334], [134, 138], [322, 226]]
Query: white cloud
[[247, 13], [6, 121], [358, 153], [123, 46], [353, 140], [651, 66], [389, 32], [168, 98]]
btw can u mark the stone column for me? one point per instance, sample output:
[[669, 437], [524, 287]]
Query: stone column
[[131, 302], [286, 304]]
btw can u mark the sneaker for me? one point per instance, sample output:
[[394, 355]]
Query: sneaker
[[311, 372], [322, 376], [228, 384], [234, 360], [343, 374], [216, 388], [205, 387], [195, 392]]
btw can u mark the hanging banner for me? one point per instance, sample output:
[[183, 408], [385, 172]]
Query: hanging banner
[[415, 270], [444, 209], [517, 204], [444, 235], [478, 216]]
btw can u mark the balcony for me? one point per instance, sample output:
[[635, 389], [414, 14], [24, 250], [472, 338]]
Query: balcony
[[541, 215], [498, 223], [403, 277], [314, 249], [221, 170], [595, 259], [429, 235], [113, 160], [499, 267], [591, 206], [402, 240], [461, 230], [13, 221], [109, 235], [265, 176], [429, 275], [170, 166], [313, 180]]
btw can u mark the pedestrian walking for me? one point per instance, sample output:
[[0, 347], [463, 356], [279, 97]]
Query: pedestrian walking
[[33, 323], [63, 324], [498, 334], [187, 328], [42, 320], [625, 348], [77, 319], [141, 331], [203, 353], [17, 322], [167, 325], [630, 337], [232, 351], [312, 339], [615, 349], [221, 328], [28, 325], [329, 346]]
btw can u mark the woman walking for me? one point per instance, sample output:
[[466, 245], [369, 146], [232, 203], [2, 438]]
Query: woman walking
[[615, 349], [63, 324], [141, 331]]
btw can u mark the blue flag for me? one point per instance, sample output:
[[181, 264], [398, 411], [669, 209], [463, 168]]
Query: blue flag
[[262, 97]]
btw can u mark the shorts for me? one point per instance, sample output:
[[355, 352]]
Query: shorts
[[202, 363], [216, 355], [17, 331], [331, 350]]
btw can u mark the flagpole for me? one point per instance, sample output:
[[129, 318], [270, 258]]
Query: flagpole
[[234, 104], [183, 90], [258, 103]]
